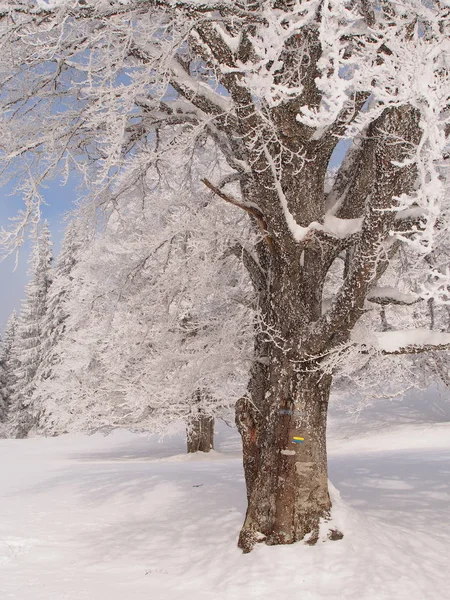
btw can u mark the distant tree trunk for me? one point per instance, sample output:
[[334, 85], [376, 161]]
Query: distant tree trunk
[[200, 431]]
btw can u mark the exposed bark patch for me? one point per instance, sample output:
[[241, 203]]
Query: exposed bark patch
[[287, 470], [335, 534]]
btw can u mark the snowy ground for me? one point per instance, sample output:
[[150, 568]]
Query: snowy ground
[[125, 517]]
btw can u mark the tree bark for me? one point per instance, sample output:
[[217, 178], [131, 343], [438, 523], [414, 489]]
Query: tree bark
[[285, 459], [282, 420], [200, 433]]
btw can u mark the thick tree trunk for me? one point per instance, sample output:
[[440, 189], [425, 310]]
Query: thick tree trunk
[[200, 433], [283, 419], [285, 459]]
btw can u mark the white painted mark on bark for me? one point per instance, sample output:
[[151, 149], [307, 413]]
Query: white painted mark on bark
[[288, 452], [303, 466]]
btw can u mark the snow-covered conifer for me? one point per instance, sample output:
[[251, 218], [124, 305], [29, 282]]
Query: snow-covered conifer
[[3, 391], [28, 347], [8, 366], [59, 292]]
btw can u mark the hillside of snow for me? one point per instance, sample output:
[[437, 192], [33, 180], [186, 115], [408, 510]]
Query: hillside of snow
[[126, 517]]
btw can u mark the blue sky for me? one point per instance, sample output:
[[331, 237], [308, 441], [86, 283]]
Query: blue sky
[[12, 282]]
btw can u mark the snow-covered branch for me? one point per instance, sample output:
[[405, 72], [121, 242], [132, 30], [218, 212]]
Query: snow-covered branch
[[411, 341]]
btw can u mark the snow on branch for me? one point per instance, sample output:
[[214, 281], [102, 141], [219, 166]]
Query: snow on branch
[[298, 232], [411, 341], [112, 9], [197, 92], [370, 256], [389, 295]]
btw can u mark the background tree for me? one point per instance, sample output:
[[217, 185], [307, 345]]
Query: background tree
[[3, 390], [276, 85], [61, 283], [59, 293], [8, 365], [159, 314], [29, 339]]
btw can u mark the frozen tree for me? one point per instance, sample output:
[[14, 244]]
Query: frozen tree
[[3, 390], [61, 284], [159, 323], [28, 345], [200, 426], [8, 365], [59, 293], [276, 85]]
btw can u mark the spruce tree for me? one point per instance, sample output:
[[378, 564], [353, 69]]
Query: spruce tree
[[59, 294], [28, 347], [3, 393], [7, 368]]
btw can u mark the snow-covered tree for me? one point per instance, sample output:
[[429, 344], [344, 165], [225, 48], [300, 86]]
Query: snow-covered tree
[[61, 284], [29, 340], [3, 389], [7, 366], [59, 293], [275, 84], [159, 323]]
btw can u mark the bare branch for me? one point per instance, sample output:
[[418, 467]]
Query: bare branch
[[427, 341], [254, 212]]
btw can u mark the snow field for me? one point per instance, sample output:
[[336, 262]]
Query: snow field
[[125, 517]]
